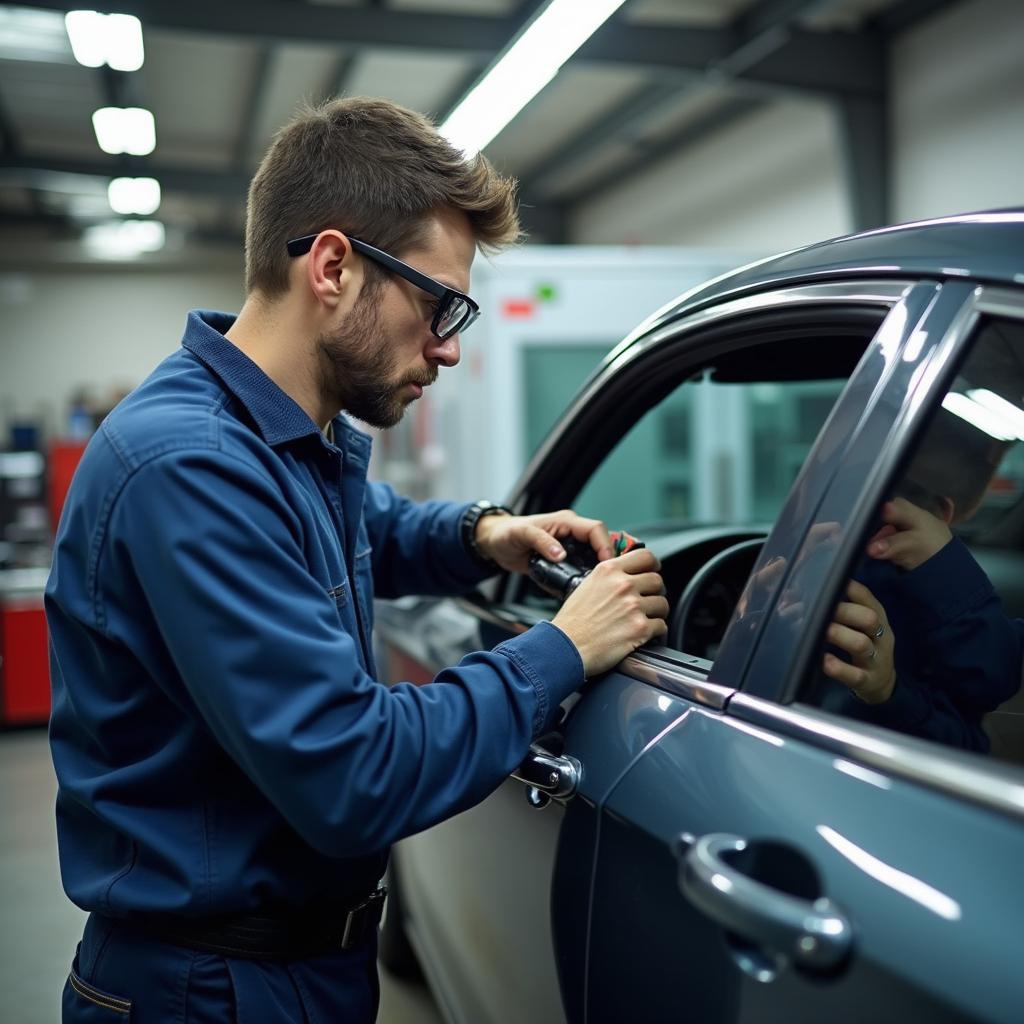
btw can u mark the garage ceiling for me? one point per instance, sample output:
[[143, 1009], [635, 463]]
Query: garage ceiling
[[220, 77]]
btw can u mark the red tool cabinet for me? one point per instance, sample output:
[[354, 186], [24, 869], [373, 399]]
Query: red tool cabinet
[[24, 668]]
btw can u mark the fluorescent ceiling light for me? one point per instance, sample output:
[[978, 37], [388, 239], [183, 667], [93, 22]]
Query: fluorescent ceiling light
[[987, 421], [134, 195], [124, 239], [125, 130], [114, 39], [530, 63]]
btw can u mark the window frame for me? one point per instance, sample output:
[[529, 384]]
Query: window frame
[[610, 398], [993, 784]]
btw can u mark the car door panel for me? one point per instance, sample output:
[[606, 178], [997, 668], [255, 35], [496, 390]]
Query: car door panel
[[929, 942], [481, 915]]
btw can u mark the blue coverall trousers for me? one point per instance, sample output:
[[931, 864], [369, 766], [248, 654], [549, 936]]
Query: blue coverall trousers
[[120, 976]]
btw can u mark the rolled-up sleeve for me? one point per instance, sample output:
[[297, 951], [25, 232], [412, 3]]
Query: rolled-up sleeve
[[209, 543]]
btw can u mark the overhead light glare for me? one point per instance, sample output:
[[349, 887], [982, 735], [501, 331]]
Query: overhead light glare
[[98, 39], [1012, 416], [124, 239], [531, 63], [134, 195], [978, 415], [125, 130]]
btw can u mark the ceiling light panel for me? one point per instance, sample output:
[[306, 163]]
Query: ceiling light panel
[[134, 195], [124, 239], [98, 39], [125, 130], [528, 66]]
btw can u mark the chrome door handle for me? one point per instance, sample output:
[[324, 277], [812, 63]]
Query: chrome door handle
[[548, 776], [812, 933]]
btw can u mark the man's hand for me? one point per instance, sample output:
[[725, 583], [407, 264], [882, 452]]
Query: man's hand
[[860, 627], [910, 535], [510, 540], [615, 610]]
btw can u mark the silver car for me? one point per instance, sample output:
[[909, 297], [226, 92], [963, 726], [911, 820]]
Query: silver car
[[720, 829]]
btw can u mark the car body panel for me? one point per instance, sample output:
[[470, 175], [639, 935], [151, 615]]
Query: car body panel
[[983, 247], [883, 848], [586, 911]]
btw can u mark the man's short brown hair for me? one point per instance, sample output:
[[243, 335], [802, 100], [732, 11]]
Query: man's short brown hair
[[372, 169]]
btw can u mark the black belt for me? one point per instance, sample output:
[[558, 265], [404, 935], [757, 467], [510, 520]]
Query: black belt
[[254, 937]]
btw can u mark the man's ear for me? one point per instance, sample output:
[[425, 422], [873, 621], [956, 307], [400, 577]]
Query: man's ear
[[329, 267], [945, 508]]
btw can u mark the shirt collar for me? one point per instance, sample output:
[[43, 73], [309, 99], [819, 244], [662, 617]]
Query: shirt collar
[[278, 417]]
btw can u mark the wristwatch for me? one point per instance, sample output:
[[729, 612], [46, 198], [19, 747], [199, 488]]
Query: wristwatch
[[467, 529]]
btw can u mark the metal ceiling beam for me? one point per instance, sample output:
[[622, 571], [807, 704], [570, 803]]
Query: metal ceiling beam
[[818, 61], [546, 220], [173, 178], [904, 16], [273, 21], [620, 121], [258, 83], [759, 34], [338, 78], [731, 110], [9, 141], [864, 150]]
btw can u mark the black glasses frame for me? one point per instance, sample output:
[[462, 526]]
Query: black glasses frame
[[446, 296]]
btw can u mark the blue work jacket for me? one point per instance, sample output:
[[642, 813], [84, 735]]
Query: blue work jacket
[[220, 742]]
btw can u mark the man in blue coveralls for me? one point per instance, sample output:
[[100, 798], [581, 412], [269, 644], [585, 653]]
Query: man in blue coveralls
[[230, 772]]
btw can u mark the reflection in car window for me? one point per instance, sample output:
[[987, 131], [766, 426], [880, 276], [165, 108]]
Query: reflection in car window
[[929, 637]]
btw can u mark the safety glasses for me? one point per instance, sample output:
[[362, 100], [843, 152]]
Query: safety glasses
[[455, 310]]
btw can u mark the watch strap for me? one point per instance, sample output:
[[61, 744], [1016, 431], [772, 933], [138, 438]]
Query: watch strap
[[467, 529]]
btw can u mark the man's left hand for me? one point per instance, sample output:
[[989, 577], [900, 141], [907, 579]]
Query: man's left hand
[[510, 540]]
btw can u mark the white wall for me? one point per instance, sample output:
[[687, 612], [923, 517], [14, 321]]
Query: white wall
[[103, 329], [958, 112], [774, 180]]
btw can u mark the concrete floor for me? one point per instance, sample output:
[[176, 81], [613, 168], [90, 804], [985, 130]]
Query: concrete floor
[[40, 926]]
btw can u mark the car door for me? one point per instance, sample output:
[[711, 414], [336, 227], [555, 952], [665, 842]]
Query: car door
[[499, 898], [773, 860]]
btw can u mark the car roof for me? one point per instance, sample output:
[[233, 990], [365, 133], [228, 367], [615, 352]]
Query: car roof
[[987, 247]]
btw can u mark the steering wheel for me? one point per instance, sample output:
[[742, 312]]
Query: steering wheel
[[703, 611]]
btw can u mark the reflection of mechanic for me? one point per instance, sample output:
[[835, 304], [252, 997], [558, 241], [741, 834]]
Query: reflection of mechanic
[[231, 774], [957, 656]]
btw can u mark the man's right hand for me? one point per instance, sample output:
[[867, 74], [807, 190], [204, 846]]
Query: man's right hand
[[616, 609]]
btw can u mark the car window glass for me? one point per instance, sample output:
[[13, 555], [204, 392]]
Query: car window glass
[[711, 452], [928, 637], [702, 474]]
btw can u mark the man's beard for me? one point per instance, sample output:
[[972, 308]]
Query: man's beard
[[357, 367]]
